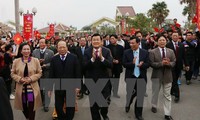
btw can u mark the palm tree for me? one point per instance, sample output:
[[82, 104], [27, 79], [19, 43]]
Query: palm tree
[[190, 9], [158, 12], [17, 15], [187, 11]]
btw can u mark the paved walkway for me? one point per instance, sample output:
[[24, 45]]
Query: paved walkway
[[187, 109]]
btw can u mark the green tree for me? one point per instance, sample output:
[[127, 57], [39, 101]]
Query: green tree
[[141, 22], [187, 12], [190, 9], [158, 12]]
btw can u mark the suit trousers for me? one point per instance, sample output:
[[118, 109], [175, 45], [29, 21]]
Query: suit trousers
[[156, 86], [60, 96], [138, 93], [175, 87]]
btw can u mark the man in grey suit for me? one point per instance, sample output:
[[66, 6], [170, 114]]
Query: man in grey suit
[[162, 60], [44, 55]]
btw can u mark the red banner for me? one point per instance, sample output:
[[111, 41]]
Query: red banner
[[28, 26], [51, 30], [198, 14]]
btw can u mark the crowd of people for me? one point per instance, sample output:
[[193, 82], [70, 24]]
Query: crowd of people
[[99, 57]]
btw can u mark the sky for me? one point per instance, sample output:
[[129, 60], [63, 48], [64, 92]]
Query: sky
[[79, 13]]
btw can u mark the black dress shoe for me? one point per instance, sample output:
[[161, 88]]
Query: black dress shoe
[[176, 100], [154, 110], [188, 82], [127, 109], [46, 109], [168, 117], [140, 118], [106, 118]]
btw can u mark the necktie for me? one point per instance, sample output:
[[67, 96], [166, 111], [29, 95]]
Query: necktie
[[82, 50], [163, 53], [136, 68], [96, 53], [62, 57], [176, 48]]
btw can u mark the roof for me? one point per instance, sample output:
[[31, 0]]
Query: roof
[[5, 27], [99, 21], [126, 9], [61, 28]]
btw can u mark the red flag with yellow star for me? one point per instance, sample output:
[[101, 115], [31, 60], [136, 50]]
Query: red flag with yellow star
[[17, 38]]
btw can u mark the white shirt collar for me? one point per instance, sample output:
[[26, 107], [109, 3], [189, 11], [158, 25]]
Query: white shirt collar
[[43, 50]]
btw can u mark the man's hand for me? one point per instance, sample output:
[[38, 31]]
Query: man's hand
[[115, 61], [187, 68], [140, 64], [134, 59]]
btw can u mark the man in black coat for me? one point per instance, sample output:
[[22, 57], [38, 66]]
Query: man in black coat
[[117, 54], [5, 109], [136, 62], [80, 53], [64, 65], [97, 62], [179, 51]]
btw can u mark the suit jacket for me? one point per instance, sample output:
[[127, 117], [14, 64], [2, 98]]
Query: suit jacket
[[164, 73], [48, 54], [35, 72], [104, 43], [117, 54], [72, 48], [128, 63], [80, 57], [70, 68], [180, 57], [6, 112], [144, 44], [97, 69]]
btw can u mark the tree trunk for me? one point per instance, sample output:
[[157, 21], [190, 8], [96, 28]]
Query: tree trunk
[[17, 19]]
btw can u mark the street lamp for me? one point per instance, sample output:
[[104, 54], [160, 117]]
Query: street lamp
[[28, 23]]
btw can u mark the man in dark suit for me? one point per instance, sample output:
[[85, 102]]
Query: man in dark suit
[[143, 43], [117, 54], [179, 51], [106, 40], [97, 61], [136, 62], [89, 41], [190, 52], [64, 65], [71, 47], [6, 112], [80, 53], [162, 60], [44, 55]]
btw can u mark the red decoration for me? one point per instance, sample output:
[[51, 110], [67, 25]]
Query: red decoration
[[194, 20], [132, 31], [28, 26], [51, 30], [198, 14], [156, 29], [178, 25], [161, 30], [17, 38], [37, 35]]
